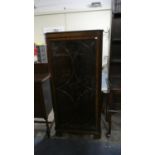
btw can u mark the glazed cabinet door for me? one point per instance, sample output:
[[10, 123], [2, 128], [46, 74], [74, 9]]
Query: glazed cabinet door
[[75, 64]]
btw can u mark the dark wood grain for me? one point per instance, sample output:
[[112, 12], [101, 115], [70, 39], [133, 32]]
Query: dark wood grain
[[41, 68], [75, 65]]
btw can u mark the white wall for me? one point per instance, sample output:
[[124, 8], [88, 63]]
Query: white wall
[[88, 20], [41, 22]]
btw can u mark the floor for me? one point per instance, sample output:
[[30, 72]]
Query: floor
[[76, 147], [113, 142]]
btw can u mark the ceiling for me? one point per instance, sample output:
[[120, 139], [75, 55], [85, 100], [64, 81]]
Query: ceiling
[[53, 5]]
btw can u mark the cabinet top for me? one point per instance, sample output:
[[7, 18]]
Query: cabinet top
[[73, 34]]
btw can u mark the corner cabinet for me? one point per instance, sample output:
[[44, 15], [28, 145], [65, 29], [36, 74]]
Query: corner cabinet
[[75, 60]]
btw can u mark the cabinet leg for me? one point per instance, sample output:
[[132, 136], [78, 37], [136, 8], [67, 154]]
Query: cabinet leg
[[106, 112], [110, 100], [47, 128], [109, 125]]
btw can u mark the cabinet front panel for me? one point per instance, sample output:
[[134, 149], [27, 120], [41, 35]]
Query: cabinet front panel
[[75, 69], [74, 78]]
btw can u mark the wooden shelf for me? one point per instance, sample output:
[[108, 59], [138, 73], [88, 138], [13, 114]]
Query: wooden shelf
[[117, 14], [115, 60], [117, 40], [115, 76]]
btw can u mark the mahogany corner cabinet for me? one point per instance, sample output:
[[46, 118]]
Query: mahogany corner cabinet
[[75, 64]]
